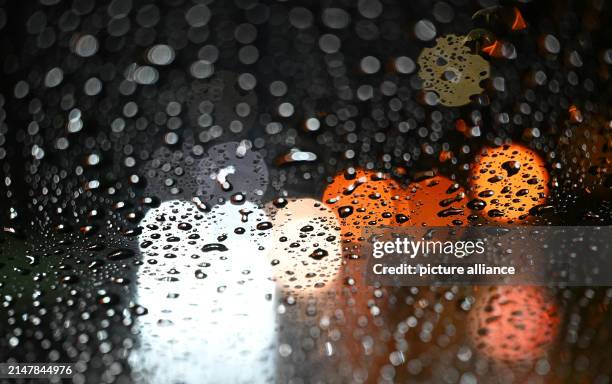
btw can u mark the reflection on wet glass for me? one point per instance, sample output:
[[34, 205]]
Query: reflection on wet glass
[[188, 181]]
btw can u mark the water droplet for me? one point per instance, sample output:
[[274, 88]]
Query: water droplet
[[214, 247], [318, 254], [120, 254]]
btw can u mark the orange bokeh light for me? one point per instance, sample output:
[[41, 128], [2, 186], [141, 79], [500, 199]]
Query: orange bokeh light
[[519, 22], [361, 198], [434, 202], [513, 324], [510, 180], [494, 49]]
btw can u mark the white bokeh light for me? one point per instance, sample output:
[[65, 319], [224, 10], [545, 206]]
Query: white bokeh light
[[209, 295], [306, 226]]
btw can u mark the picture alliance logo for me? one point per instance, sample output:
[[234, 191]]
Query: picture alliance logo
[[412, 248]]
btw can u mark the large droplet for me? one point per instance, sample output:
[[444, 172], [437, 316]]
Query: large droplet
[[214, 247], [318, 254], [345, 211], [512, 167]]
